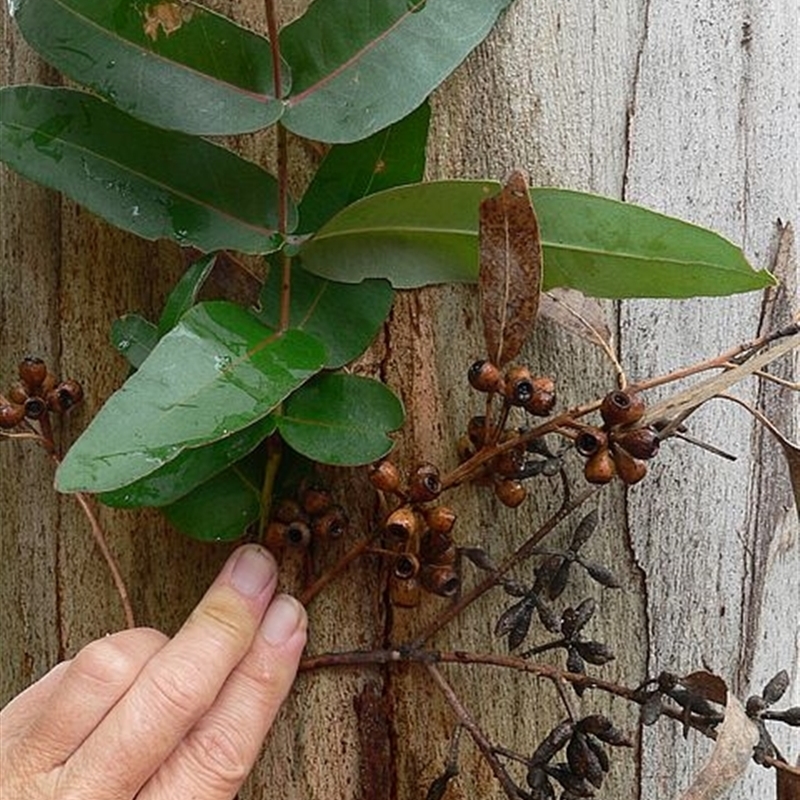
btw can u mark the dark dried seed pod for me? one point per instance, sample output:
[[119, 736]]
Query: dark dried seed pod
[[776, 687], [600, 468], [595, 653], [651, 709], [406, 566], [386, 477], [584, 530], [11, 414], [404, 593], [789, 716], [754, 706], [604, 729], [575, 785], [315, 501], [67, 394], [288, 510], [486, 377], [332, 524], [575, 664], [440, 519], [630, 470], [583, 761], [621, 408], [298, 534], [543, 399], [560, 579], [573, 619], [518, 386], [510, 492], [35, 407], [18, 393], [590, 441], [548, 617], [552, 743], [639, 442], [403, 524], [599, 751], [443, 580], [539, 783], [601, 574], [32, 372], [479, 557], [424, 484]]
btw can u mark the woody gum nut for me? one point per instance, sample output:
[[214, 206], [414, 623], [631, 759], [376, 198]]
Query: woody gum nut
[[600, 467], [11, 414], [519, 386], [590, 441], [441, 580], [403, 524], [639, 442], [32, 372], [630, 470], [621, 408], [385, 477], [424, 484], [510, 493], [485, 377]]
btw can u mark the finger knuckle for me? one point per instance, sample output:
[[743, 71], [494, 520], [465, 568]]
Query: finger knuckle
[[180, 688], [218, 752], [106, 663]]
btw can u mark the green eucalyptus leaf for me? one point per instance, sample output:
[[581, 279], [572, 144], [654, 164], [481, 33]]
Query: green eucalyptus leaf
[[341, 419], [345, 317], [428, 233], [173, 64], [143, 179], [359, 65], [184, 295], [215, 373], [391, 157], [133, 337], [223, 507], [191, 468]]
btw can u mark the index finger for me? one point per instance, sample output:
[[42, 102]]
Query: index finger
[[177, 685]]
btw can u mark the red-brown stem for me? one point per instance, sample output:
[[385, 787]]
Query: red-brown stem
[[520, 554], [358, 549], [478, 736]]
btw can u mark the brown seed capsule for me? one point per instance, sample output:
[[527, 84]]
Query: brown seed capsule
[[288, 510], [67, 394], [440, 519], [404, 593], [630, 470], [315, 501], [600, 467], [298, 534], [543, 399], [330, 525], [486, 377], [441, 580], [403, 525], [510, 492], [639, 442], [385, 477], [35, 407], [11, 414], [519, 386], [32, 372], [424, 484], [434, 545], [621, 408], [590, 441], [406, 566], [508, 464], [48, 384], [275, 537], [18, 393]]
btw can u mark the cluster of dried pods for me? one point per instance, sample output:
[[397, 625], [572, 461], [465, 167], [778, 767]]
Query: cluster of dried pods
[[417, 534], [36, 393], [313, 515]]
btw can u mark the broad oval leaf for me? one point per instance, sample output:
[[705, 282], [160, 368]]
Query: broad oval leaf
[[428, 233], [146, 180], [341, 419], [345, 317], [191, 468], [223, 507], [173, 64], [133, 338], [359, 65], [217, 372]]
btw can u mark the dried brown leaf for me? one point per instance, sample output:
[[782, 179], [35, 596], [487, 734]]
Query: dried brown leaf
[[707, 685], [736, 737], [510, 277], [788, 784]]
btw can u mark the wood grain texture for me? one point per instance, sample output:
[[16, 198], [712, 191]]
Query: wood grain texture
[[679, 106]]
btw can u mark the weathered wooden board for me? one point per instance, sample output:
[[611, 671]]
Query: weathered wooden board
[[688, 107]]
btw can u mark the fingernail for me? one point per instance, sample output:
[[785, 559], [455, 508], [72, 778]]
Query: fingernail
[[282, 619], [253, 571]]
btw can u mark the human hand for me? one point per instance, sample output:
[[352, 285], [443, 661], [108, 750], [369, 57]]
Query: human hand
[[139, 715]]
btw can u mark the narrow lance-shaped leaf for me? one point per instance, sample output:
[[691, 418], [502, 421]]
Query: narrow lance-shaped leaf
[[184, 295], [341, 419], [217, 372], [428, 233], [510, 276], [134, 337], [359, 65], [146, 180], [173, 64]]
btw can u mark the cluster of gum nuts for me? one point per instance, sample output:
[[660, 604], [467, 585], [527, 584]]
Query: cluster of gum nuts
[[418, 534], [36, 393], [313, 516], [619, 447], [519, 389]]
